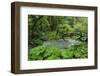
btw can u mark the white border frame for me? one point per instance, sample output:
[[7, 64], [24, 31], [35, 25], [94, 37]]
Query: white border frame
[[25, 64]]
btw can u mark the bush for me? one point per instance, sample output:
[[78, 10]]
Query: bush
[[51, 35], [36, 42], [80, 51], [81, 36], [36, 53], [67, 54], [52, 53]]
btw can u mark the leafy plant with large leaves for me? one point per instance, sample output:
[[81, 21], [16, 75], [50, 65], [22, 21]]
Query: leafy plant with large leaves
[[51, 53]]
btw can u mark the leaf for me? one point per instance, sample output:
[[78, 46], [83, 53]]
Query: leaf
[[52, 57], [67, 54]]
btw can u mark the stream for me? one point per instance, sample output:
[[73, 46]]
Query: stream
[[61, 43]]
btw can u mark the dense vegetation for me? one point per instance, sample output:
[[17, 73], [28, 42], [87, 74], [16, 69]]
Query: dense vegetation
[[42, 29]]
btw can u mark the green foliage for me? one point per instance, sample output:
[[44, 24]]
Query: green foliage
[[50, 53], [36, 53], [81, 36], [52, 57], [56, 27], [80, 51], [37, 41], [67, 54], [51, 28], [62, 30], [51, 35]]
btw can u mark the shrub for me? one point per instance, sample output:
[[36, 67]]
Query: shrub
[[67, 54], [81, 36], [36, 42], [36, 53], [51, 53]]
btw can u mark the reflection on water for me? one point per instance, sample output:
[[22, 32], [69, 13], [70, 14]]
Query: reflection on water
[[61, 43]]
